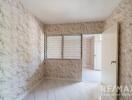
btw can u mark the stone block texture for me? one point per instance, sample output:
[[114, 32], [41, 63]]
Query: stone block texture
[[21, 50], [123, 15], [75, 28], [68, 69], [88, 52], [63, 69]]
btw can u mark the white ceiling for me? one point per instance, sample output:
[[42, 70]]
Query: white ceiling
[[69, 11]]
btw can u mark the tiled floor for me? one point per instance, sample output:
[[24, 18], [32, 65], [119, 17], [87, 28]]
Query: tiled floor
[[64, 90], [91, 75]]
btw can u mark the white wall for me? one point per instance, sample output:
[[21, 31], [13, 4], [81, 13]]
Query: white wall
[[97, 52]]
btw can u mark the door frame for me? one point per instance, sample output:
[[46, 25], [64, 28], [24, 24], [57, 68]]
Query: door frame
[[118, 58], [93, 63]]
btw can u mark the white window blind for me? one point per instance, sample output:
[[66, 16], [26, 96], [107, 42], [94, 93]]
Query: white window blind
[[54, 47], [72, 47]]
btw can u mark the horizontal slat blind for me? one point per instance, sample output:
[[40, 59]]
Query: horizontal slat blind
[[72, 47], [54, 46]]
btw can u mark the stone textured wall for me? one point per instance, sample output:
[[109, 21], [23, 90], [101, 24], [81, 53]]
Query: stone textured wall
[[88, 52], [68, 69], [75, 28], [21, 50], [63, 69], [123, 15]]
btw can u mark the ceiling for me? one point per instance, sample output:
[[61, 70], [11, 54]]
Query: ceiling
[[70, 11]]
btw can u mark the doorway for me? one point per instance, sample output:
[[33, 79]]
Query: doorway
[[91, 57]]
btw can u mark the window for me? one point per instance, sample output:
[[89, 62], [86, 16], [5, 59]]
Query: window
[[63, 47], [54, 45], [72, 47]]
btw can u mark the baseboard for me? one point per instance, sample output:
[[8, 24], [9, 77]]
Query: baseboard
[[25, 94]]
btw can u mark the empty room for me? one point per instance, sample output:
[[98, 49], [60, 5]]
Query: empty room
[[65, 49]]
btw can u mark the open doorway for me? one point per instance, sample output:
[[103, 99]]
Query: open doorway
[[91, 57]]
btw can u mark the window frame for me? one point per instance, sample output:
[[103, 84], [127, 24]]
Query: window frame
[[62, 47]]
